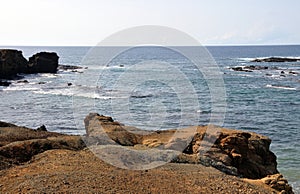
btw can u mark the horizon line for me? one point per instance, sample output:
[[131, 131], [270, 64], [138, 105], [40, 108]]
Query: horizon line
[[205, 45]]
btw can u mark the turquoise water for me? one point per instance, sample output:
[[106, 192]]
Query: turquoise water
[[263, 101]]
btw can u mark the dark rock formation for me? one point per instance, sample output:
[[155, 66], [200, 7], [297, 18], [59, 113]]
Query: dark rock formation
[[4, 83], [69, 67], [252, 68], [43, 62], [12, 62], [276, 60]]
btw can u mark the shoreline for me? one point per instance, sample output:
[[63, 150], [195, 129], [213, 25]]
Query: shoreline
[[63, 159]]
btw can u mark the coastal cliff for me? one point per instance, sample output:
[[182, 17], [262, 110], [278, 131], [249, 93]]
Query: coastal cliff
[[12, 63], [41, 161]]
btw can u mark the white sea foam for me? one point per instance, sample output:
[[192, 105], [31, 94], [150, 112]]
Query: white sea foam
[[281, 87], [20, 87], [73, 92], [48, 75]]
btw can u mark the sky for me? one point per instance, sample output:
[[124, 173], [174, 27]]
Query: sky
[[87, 22]]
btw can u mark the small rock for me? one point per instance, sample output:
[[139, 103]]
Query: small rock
[[23, 81], [42, 128]]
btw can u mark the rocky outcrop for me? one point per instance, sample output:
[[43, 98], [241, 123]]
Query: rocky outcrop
[[243, 153], [107, 131], [234, 152], [43, 62], [12, 62], [278, 183], [252, 68], [276, 60], [20, 144]]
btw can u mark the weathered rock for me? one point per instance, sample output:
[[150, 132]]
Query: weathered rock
[[23, 151], [102, 127], [277, 182], [12, 62], [11, 133], [247, 152], [43, 62], [276, 60], [20, 144]]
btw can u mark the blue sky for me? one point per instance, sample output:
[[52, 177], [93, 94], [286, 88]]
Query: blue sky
[[87, 22]]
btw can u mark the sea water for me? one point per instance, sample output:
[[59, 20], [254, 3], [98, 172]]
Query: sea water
[[263, 101]]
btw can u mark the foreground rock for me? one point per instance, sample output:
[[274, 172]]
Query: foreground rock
[[66, 171], [276, 60], [12, 63], [20, 144], [245, 153], [234, 152], [51, 168]]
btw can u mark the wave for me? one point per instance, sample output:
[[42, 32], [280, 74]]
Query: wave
[[249, 59], [281, 87], [75, 92]]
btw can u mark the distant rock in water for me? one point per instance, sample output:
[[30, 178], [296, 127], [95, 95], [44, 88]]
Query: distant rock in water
[[276, 60], [12, 62], [68, 67], [252, 68], [43, 62], [4, 83]]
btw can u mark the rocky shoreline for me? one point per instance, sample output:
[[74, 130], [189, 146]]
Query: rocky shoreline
[[243, 160]]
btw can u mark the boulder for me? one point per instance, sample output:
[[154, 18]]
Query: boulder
[[12, 62], [43, 62], [248, 152]]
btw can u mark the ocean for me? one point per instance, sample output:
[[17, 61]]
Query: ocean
[[158, 88]]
